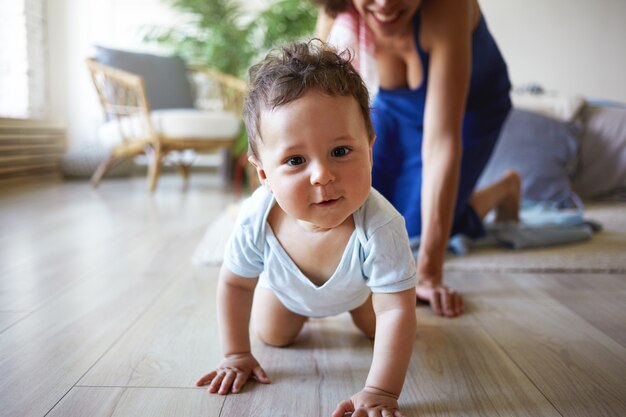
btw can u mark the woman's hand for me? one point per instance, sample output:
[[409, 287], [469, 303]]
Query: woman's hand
[[370, 402], [233, 373], [443, 301]]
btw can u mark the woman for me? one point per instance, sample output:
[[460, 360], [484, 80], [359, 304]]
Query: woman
[[442, 99]]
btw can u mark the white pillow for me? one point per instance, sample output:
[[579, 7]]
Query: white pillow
[[563, 107]]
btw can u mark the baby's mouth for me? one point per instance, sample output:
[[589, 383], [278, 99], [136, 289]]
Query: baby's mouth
[[327, 203]]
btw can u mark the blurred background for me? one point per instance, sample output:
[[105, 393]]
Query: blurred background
[[569, 46]]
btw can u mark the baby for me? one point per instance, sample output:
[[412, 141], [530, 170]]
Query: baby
[[315, 239]]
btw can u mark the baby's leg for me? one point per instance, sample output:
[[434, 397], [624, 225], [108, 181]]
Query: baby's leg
[[364, 318], [274, 324]]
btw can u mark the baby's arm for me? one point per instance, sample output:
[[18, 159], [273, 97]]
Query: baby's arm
[[234, 304], [396, 328]]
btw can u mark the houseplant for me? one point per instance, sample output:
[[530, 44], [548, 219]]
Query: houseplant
[[224, 35]]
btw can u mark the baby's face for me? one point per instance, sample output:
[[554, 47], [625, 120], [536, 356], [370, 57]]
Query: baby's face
[[315, 156]]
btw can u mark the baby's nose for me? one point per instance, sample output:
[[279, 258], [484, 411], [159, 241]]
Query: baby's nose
[[321, 174]]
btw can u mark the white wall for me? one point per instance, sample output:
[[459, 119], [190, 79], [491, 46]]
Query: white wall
[[572, 46], [74, 27]]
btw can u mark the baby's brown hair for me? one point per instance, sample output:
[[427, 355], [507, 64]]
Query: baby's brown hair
[[288, 73]]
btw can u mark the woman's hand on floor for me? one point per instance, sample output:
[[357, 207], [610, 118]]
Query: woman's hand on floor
[[443, 301], [233, 373]]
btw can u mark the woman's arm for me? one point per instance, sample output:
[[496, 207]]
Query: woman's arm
[[448, 34], [324, 25]]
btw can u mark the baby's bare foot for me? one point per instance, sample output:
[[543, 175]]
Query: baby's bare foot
[[508, 209]]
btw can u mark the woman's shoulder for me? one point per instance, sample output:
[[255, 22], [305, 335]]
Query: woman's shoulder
[[440, 18]]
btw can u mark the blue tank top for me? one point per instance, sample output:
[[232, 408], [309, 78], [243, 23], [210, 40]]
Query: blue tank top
[[489, 84], [398, 118]]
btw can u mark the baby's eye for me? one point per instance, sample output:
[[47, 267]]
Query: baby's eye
[[295, 160], [340, 151]]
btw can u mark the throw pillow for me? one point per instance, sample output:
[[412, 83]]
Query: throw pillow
[[165, 77], [602, 170], [543, 151]]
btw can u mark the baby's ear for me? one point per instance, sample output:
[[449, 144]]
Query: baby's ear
[[259, 171]]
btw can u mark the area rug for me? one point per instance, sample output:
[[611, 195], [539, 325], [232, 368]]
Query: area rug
[[605, 252], [210, 250]]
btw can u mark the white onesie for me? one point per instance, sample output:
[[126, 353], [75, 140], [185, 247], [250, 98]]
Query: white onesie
[[377, 258]]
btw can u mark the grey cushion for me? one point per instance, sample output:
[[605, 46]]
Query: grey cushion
[[167, 85], [602, 170], [543, 151]]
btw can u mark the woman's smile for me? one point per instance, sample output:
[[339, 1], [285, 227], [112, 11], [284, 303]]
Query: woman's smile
[[386, 18]]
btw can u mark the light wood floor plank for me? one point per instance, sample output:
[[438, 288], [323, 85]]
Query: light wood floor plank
[[328, 362], [102, 284], [45, 354], [455, 371], [9, 318], [52, 250], [135, 402], [96, 289], [576, 366], [38, 282], [598, 299], [460, 371], [172, 345]]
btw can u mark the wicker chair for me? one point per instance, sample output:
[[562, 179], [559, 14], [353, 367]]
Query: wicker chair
[[138, 130]]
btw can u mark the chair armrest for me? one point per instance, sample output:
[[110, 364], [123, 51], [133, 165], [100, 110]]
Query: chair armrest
[[123, 98], [230, 90]]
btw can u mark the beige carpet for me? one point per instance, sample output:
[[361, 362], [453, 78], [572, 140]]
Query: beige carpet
[[210, 251], [605, 252]]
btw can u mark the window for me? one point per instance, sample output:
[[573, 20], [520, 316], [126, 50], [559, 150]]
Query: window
[[22, 59]]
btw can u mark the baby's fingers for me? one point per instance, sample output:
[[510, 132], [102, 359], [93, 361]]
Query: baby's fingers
[[260, 375], [392, 413], [206, 379], [343, 407], [216, 382], [240, 381], [227, 382]]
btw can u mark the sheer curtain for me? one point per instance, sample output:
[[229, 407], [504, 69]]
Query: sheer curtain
[[23, 90]]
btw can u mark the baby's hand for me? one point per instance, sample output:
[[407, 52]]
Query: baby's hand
[[233, 373], [369, 402]]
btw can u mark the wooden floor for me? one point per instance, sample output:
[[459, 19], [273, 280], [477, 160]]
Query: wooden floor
[[102, 314]]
